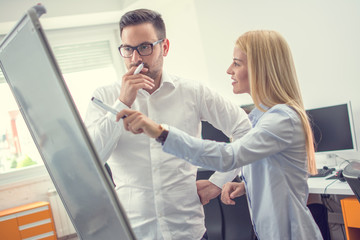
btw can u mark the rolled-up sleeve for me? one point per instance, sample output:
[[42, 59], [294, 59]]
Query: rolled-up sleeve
[[215, 109]]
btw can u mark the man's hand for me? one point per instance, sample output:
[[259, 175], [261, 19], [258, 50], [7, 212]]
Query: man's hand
[[232, 190], [132, 83], [207, 191]]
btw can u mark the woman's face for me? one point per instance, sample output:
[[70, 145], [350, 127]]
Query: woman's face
[[239, 72]]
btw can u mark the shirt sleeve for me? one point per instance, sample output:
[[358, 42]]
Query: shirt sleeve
[[224, 115], [220, 178], [215, 109], [272, 134], [102, 127]]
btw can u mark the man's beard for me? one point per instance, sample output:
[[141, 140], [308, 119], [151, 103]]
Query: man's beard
[[150, 73]]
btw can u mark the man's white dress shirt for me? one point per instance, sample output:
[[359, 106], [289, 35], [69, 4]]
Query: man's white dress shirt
[[156, 189]]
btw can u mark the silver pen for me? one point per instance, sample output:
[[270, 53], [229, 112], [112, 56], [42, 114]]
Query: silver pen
[[105, 106], [139, 68]]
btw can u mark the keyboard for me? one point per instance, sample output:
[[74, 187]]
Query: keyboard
[[323, 172]]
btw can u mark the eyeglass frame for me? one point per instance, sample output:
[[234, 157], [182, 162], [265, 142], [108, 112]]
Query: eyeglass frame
[[136, 48]]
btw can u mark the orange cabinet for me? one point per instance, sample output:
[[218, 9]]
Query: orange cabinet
[[351, 212], [28, 221]]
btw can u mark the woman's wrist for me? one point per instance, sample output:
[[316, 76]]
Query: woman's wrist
[[163, 134]]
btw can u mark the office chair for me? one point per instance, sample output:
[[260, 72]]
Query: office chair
[[213, 212], [227, 222], [237, 220], [320, 215]]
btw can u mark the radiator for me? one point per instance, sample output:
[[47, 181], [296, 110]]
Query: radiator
[[63, 224]]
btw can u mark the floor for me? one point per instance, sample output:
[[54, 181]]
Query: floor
[[71, 237]]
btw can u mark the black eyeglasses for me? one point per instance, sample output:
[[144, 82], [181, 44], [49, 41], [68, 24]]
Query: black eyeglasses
[[144, 49]]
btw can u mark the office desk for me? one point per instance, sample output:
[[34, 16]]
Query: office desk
[[318, 186], [335, 217]]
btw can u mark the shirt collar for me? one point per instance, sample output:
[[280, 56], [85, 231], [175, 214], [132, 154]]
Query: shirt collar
[[166, 80]]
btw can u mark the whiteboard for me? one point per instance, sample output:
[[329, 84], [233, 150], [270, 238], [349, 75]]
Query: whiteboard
[[36, 82]]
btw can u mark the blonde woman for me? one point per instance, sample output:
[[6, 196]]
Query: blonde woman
[[275, 156]]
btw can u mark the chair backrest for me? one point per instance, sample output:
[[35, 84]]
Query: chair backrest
[[320, 215], [227, 222]]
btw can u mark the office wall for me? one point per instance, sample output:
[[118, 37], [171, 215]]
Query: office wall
[[324, 37], [14, 9], [186, 56]]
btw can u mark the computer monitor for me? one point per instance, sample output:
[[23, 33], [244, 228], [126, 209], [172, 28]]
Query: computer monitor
[[333, 128], [79, 176]]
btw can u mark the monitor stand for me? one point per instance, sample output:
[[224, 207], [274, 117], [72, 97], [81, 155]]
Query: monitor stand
[[329, 160]]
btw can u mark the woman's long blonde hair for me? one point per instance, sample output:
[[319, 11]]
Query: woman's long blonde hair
[[273, 78]]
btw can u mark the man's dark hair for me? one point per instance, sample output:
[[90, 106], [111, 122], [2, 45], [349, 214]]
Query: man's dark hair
[[140, 16]]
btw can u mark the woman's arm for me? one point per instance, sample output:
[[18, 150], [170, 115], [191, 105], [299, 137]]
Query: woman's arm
[[273, 134]]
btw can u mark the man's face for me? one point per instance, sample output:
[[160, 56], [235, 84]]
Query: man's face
[[145, 33]]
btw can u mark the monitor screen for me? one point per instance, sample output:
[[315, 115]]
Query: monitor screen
[[333, 128]]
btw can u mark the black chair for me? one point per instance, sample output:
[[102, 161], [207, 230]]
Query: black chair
[[213, 212], [227, 222], [320, 215], [237, 221]]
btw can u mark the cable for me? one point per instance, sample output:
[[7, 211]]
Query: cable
[[329, 185], [345, 160], [326, 203], [342, 230], [325, 197], [325, 200]]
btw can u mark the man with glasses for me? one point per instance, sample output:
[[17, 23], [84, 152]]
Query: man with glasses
[[144, 49], [157, 190]]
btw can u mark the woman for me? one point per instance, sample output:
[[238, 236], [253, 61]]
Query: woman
[[275, 156]]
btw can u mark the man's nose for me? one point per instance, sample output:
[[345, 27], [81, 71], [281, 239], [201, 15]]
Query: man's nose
[[136, 57]]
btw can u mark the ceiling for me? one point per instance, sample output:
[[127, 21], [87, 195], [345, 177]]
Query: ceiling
[[12, 10], [64, 13]]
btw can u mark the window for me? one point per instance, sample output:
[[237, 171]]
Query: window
[[87, 61], [17, 149], [85, 66]]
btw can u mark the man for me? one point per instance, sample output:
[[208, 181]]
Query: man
[[157, 190]]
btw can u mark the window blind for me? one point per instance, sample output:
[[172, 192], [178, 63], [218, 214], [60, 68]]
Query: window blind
[[81, 57]]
